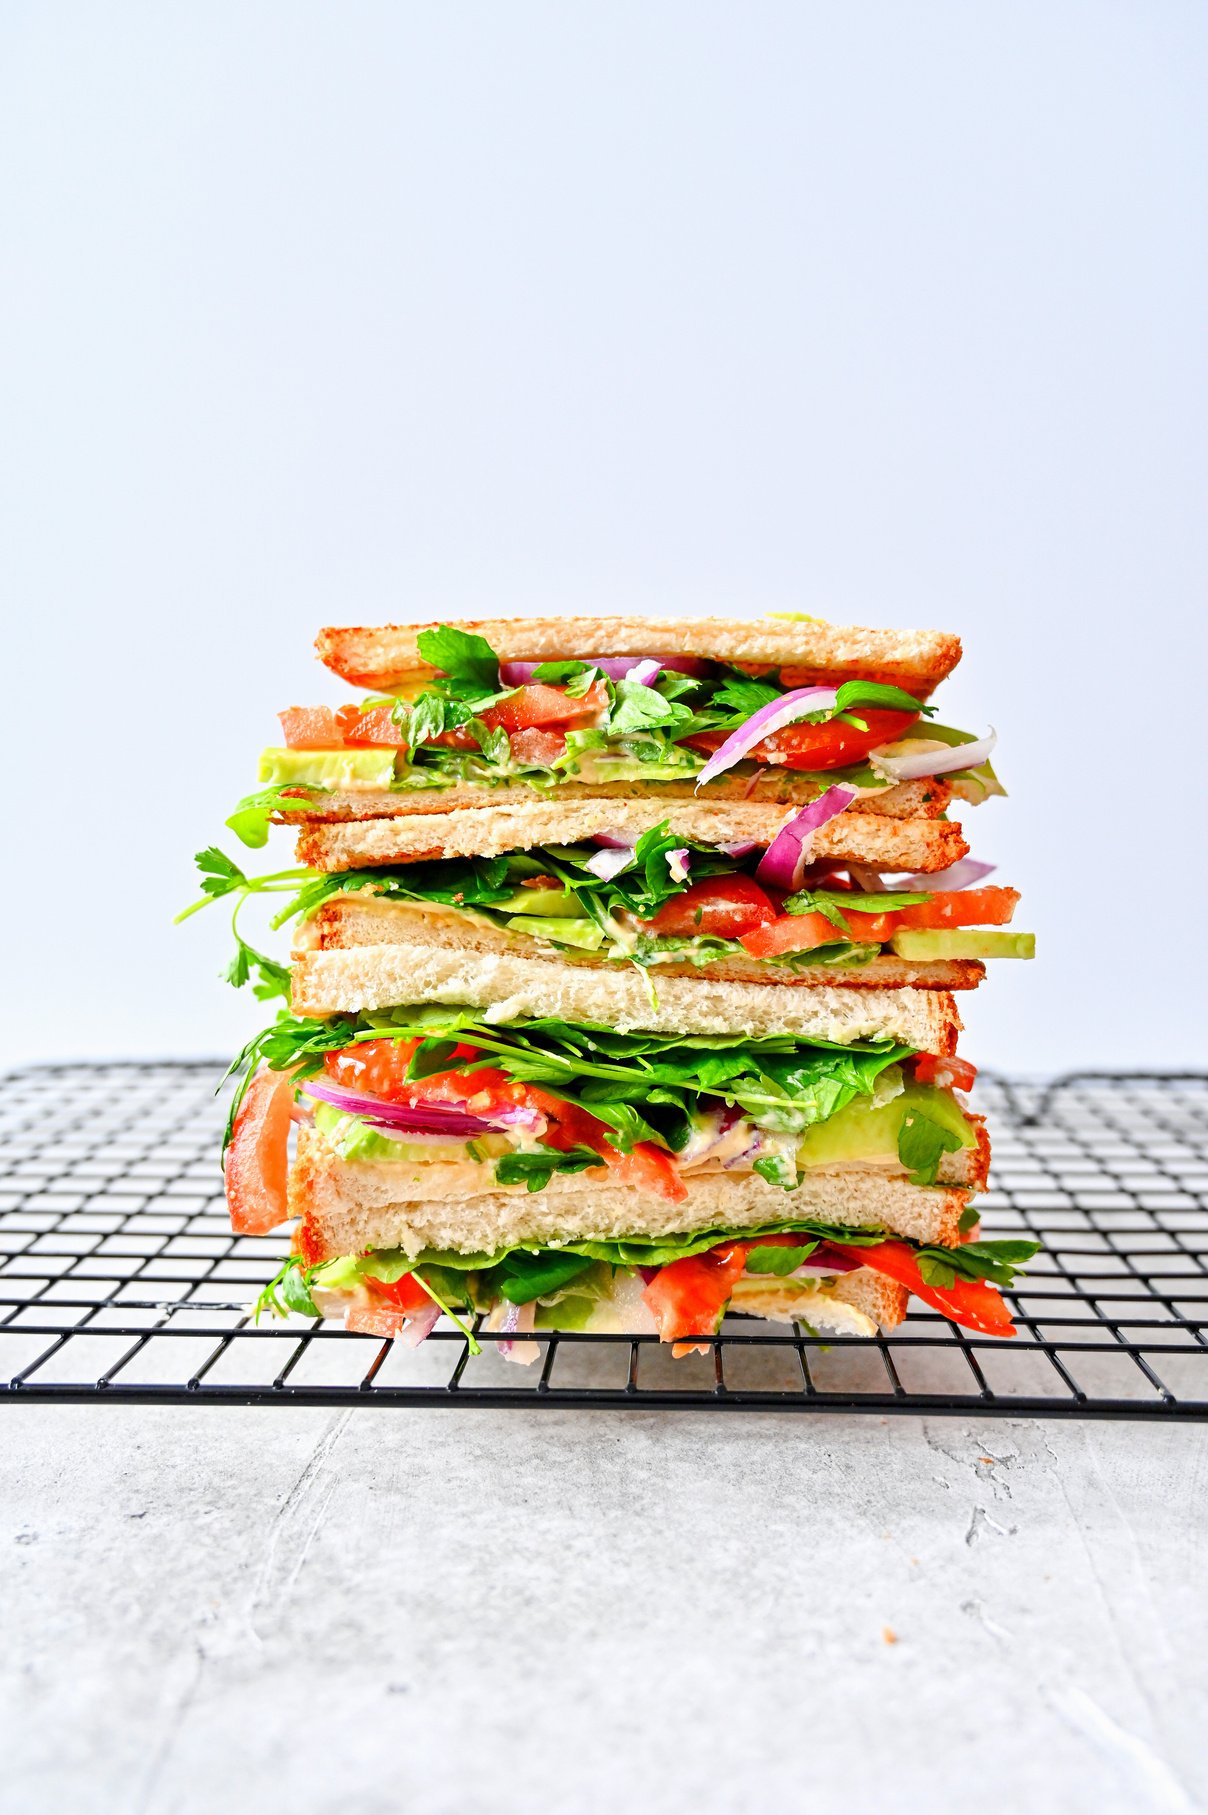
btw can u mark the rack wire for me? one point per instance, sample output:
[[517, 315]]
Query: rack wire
[[120, 1278]]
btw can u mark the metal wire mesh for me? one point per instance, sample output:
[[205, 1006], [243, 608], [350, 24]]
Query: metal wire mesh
[[120, 1277]]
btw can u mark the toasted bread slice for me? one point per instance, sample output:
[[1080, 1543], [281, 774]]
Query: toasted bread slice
[[372, 977], [771, 787], [388, 655], [862, 838], [348, 1206], [845, 1308], [365, 919]]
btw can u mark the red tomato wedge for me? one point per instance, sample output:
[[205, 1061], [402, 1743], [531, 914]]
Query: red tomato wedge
[[976, 1304], [311, 728], [406, 1294], [827, 746], [544, 748], [948, 1074], [375, 727], [722, 907], [689, 1297], [537, 705], [960, 907], [257, 1160], [791, 933]]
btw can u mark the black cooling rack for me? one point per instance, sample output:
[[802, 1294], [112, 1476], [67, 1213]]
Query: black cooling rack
[[120, 1278]]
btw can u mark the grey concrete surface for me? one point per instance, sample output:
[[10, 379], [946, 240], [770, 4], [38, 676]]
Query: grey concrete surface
[[225, 1609]]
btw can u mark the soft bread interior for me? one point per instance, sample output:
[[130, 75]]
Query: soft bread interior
[[349, 1206], [516, 989]]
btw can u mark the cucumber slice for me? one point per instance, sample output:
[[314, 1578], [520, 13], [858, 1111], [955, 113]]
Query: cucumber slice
[[945, 943], [583, 933]]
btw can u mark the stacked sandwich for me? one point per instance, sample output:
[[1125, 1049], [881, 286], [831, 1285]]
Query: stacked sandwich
[[622, 991]]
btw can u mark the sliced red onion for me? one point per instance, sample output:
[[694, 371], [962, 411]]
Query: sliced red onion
[[960, 875], [514, 1320], [935, 762], [772, 717], [607, 864], [422, 1118], [869, 882], [787, 855], [679, 863], [613, 841], [742, 848], [617, 668], [419, 1326]]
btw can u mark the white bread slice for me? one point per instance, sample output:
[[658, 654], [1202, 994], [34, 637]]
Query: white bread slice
[[513, 989], [348, 1206], [847, 1307], [388, 655], [850, 837], [771, 787], [363, 918]]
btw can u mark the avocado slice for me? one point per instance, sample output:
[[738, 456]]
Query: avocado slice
[[367, 768], [583, 933], [860, 1131], [945, 943], [553, 904]]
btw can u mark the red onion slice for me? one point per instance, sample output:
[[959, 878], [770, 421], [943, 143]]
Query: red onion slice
[[617, 668], [614, 841], [742, 849], [787, 855], [679, 863], [935, 762], [401, 1119], [960, 875], [607, 864], [772, 717], [419, 1326]]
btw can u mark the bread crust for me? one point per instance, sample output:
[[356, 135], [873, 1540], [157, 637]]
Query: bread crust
[[771, 787], [387, 655], [349, 1206], [365, 919], [863, 838], [374, 977]]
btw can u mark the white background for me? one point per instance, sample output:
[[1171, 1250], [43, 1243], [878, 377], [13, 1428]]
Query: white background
[[894, 313]]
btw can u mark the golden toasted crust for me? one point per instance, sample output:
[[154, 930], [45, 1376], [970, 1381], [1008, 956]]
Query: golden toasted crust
[[348, 1206], [364, 919], [772, 786], [862, 838], [388, 655], [373, 977]]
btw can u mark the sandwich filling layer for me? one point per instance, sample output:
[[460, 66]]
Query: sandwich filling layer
[[610, 722]]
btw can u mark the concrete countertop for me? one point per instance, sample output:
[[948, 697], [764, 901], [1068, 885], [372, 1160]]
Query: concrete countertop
[[223, 1608]]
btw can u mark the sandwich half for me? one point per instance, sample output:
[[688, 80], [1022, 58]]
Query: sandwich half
[[769, 712], [547, 1147]]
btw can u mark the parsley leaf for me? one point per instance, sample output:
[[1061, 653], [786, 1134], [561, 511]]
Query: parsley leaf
[[462, 656], [921, 1145], [426, 720], [780, 1261], [536, 1169], [638, 708]]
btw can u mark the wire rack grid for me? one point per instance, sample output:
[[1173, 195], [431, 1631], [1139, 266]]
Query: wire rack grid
[[120, 1278]]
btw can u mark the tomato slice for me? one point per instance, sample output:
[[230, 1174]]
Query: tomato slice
[[791, 933], [689, 1297], [380, 1068], [405, 1293], [974, 1303], [311, 728], [537, 705], [375, 727], [960, 907], [722, 907], [948, 1074], [257, 1160], [831, 745], [543, 748]]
